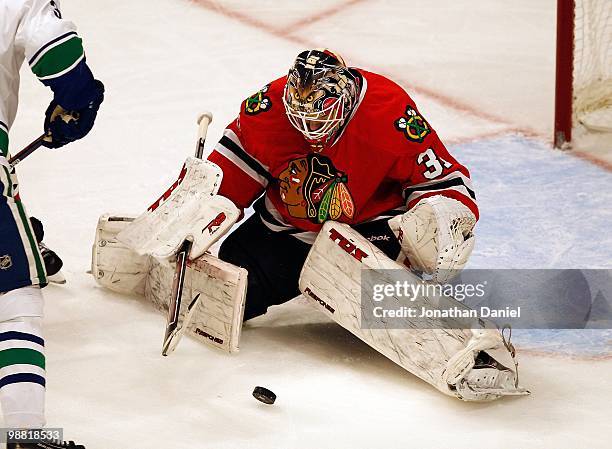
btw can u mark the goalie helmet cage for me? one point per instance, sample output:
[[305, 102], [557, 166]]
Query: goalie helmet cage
[[583, 91]]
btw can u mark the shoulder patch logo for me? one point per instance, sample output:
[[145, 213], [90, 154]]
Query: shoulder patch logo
[[312, 188], [414, 126], [258, 102]]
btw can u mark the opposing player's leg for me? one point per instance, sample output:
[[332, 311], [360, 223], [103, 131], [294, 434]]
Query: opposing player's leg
[[53, 262], [21, 263], [273, 260], [22, 271], [22, 359]]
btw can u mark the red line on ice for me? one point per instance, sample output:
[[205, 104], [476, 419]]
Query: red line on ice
[[323, 14], [286, 34]]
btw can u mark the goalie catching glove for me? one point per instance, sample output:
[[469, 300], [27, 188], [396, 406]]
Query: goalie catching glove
[[436, 236]]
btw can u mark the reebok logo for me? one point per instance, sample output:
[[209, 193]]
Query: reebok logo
[[379, 238]]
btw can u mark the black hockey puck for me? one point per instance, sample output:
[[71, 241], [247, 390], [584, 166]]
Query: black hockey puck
[[264, 395]]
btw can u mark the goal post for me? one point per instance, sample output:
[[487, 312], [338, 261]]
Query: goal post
[[583, 90]]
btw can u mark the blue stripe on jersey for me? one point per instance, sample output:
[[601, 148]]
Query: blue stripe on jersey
[[22, 378], [14, 335]]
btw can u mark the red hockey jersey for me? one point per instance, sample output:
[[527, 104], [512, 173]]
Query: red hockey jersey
[[383, 162]]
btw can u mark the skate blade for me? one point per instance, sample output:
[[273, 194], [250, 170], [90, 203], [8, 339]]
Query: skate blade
[[58, 278]]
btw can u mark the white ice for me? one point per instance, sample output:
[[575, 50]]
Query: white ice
[[481, 71]]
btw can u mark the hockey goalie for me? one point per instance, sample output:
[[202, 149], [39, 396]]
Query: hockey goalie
[[344, 174]]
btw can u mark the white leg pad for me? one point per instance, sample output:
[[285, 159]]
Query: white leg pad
[[113, 264], [445, 358], [217, 318]]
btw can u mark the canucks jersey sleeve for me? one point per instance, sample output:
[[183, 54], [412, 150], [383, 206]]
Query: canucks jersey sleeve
[[50, 43], [53, 50]]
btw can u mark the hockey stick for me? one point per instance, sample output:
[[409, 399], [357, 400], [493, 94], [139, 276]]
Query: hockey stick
[[173, 333], [31, 148]]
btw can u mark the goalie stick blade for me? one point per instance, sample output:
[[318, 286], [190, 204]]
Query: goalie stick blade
[[172, 339], [177, 293]]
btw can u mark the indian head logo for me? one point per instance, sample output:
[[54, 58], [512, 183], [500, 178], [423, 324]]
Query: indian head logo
[[313, 189]]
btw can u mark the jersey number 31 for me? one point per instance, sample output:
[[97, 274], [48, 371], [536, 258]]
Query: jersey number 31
[[435, 165]]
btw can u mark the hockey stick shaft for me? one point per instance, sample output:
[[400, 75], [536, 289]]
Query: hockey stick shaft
[[177, 292], [172, 332], [31, 148], [203, 122]]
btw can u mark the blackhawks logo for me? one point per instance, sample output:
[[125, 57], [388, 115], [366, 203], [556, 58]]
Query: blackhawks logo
[[414, 126], [258, 102], [313, 189]]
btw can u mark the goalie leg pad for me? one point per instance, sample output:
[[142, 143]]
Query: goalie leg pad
[[220, 287], [113, 264], [449, 359], [218, 290]]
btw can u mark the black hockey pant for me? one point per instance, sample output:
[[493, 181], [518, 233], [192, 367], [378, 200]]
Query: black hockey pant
[[274, 260]]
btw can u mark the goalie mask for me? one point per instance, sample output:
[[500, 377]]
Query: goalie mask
[[320, 95]]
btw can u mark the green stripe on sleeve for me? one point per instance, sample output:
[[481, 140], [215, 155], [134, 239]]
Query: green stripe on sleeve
[[59, 58], [4, 141], [21, 356]]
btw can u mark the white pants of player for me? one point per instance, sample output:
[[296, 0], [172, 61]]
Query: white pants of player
[[22, 360]]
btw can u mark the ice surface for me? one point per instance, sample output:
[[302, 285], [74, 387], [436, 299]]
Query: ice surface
[[480, 68]]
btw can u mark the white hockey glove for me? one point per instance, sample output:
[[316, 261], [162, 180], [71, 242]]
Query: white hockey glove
[[436, 236]]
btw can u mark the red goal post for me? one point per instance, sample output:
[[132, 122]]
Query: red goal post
[[583, 91]]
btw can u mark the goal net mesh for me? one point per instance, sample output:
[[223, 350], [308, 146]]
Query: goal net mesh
[[592, 103]]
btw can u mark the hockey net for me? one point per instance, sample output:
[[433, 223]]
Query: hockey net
[[584, 68]]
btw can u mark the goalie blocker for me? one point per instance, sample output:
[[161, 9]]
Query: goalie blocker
[[136, 256], [214, 290]]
